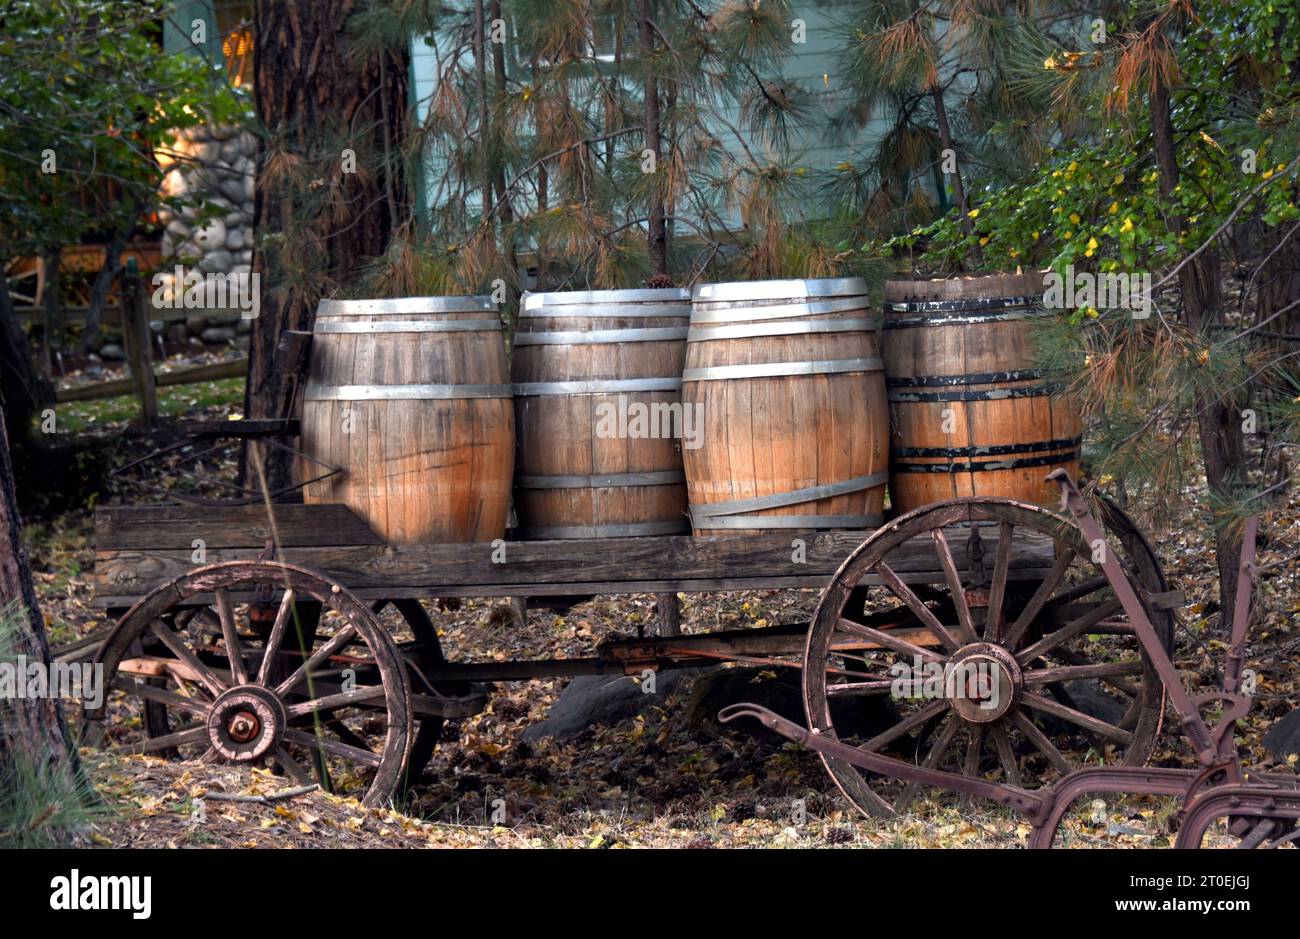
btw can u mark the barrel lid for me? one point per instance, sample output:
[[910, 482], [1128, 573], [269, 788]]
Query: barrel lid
[[780, 289], [406, 305], [536, 300]]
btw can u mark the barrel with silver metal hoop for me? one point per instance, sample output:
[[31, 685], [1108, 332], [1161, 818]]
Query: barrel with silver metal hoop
[[788, 377], [410, 398], [597, 383]]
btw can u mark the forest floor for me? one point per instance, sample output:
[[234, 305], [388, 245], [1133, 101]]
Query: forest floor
[[667, 778]]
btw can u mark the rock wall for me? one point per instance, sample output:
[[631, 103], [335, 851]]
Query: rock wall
[[218, 168]]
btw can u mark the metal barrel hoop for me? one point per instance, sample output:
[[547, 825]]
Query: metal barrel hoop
[[737, 513]]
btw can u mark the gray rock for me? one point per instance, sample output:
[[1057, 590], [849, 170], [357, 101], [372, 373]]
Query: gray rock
[[233, 188], [242, 343], [156, 326], [111, 352], [195, 324], [1283, 738], [211, 235], [602, 699], [177, 332], [234, 239], [246, 257], [243, 327], [224, 318], [243, 267], [216, 262], [207, 151], [852, 716], [1090, 697], [214, 335]]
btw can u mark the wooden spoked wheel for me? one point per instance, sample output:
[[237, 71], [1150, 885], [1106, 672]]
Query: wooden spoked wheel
[[421, 655], [262, 663], [985, 670]]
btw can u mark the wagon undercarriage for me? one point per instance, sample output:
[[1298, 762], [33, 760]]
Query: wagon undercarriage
[[319, 689]]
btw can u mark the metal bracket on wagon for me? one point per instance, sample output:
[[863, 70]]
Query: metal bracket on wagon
[[1022, 800]]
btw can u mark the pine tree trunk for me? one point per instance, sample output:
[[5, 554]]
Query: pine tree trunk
[[313, 100], [958, 187], [658, 234], [1218, 419], [32, 731]]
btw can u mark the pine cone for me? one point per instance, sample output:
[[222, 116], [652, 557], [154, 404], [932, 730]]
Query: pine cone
[[660, 281]]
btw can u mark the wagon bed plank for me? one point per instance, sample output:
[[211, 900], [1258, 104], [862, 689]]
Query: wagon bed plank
[[174, 527], [664, 564]]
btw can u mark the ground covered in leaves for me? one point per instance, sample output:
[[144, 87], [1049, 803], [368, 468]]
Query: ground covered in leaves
[[670, 777]]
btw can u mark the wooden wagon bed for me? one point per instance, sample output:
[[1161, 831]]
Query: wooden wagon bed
[[137, 549]]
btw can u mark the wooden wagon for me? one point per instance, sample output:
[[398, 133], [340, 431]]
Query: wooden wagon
[[258, 634]]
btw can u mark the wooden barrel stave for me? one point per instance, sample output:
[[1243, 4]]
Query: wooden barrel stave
[[977, 345], [421, 469]]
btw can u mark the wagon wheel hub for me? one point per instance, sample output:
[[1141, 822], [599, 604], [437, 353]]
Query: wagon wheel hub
[[983, 682], [245, 723]]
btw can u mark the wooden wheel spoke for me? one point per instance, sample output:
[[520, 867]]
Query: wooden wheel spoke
[[974, 750], [887, 639], [275, 639], [234, 648], [177, 738], [1078, 591], [860, 688], [291, 766], [336, 643], [336, 748], [332, 702], [1040, 597], [942, 745], [955, 588], [1047, 676], [347, 735], [998, 590], [922, 612], [178, 648], [1041, 742], [1086, 721], [1069, 631], [927, 713], [1070, 657], [1006, 754], [161, 695]]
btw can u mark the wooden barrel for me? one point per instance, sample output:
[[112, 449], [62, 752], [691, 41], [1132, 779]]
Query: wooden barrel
[[597, 384], [969, 412], [789, 379], [411, 398]]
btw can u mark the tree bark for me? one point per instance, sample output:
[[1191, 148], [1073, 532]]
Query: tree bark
[[958, 187], [315, 226], [658, 233], [32, 730], [1218, 418], [22, 388]]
